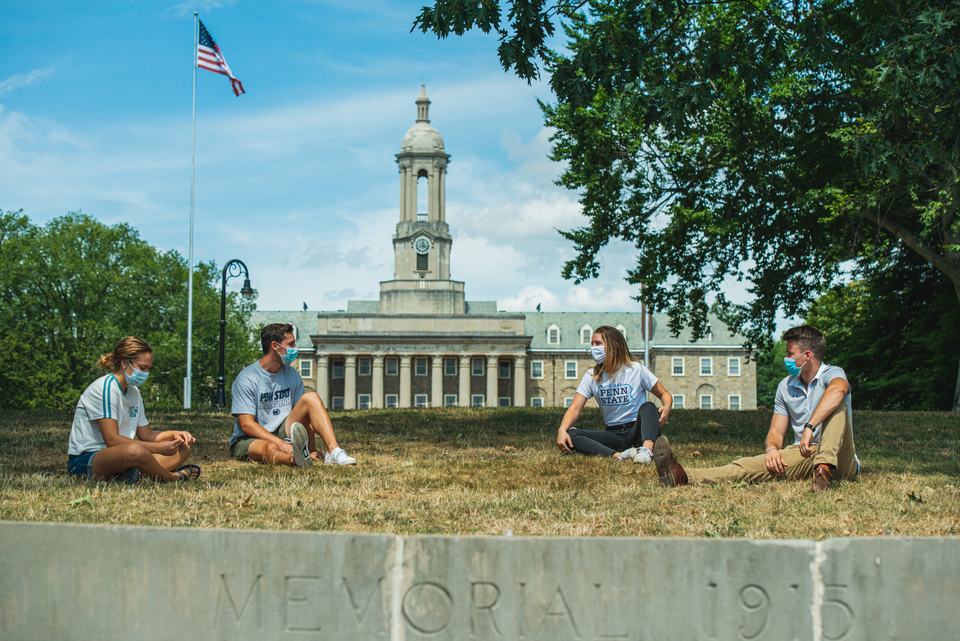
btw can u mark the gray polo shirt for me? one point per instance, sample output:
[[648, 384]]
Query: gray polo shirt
[[798, 402]]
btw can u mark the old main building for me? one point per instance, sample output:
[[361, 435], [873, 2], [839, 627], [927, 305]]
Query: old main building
[[422, 344]]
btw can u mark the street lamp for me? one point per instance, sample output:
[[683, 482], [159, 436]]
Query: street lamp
[[231, 269]]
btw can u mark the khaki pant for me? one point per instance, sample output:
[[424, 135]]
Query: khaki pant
[[834, 449]]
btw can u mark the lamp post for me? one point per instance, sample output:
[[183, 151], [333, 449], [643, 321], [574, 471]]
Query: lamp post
[[231, 269]]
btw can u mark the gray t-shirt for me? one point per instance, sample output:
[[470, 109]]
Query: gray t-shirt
[[269, 398], [798, 402]]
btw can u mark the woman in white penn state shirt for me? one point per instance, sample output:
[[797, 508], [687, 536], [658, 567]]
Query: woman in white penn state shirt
[[620, 384], [110, 414]]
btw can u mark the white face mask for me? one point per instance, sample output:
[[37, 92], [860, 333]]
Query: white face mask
[[598, 352]]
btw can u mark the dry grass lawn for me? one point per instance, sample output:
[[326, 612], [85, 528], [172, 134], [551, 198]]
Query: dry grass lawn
[[479, 471]]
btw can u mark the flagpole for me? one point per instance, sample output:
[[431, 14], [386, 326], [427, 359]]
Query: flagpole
[[188, 379]]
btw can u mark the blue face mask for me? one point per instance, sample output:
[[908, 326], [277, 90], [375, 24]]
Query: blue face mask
[[290, 356], [136, 378], [792, 368], [599, 353]]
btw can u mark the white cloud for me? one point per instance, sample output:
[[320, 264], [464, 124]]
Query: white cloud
[[24, 80]]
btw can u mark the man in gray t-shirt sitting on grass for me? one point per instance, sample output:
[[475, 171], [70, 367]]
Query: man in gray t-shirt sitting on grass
[[276, 421], [814, 403]]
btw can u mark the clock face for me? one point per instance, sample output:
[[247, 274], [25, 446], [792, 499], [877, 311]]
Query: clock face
[[422, 245]]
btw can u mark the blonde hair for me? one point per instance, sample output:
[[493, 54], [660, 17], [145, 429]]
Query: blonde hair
[[128, 349], [618, 354]]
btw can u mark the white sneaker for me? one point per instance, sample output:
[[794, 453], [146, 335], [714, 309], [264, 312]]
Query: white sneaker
[[338, 457], [643, 456], [627, 455], [301, 445]]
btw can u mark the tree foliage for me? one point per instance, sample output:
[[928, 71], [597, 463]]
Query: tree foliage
[[73, 287], [770, 142]]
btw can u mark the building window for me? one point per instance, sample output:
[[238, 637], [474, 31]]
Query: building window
[[504, 369], [678, 401], [553, 335], [734, 402], [536, 369], [363, 367], [390, 367], [622, 330], [678, 366], [423, 262], [476, 400], [706, 366], [306, 368], [536, 401], [420, 400], [567, 401], [586, 333], [363, 401], [733, 367], [706, 401], [476, 367], [449, 367], [570, 369], [450, 400], [338, 402], [503, 401], [338, 369], [391, 400], [421, 367]]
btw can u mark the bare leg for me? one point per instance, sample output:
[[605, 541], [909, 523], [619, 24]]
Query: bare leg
[[116, 459], [171, 462], [310, 411], [269, 452]]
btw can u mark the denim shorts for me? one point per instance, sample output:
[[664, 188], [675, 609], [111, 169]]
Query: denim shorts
[[81, 464]]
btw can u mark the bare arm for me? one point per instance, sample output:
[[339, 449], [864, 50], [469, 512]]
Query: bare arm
[[147, 435], [774, 442], [110, 429], [569, 418], [250, 427], [666, 401], [829, 403]]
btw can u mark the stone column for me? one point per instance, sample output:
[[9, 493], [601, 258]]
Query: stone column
[[404, 400], [520, 380], [464, 380], [443, 194], [435, 193], [323, 378], [377, 392], [436, 381], [491, 381], [350, 382]]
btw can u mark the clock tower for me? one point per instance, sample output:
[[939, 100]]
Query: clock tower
[[421, 244]]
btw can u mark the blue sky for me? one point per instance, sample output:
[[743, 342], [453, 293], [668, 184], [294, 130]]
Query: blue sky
[[297, 177]]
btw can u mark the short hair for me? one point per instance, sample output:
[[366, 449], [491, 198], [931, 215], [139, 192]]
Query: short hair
[[127, 348], [807, 337], [617, 354], [274, 332]]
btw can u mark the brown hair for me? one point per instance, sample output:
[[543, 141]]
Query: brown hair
[[617, 353], [807, 337], [274, 332], [128, 349]]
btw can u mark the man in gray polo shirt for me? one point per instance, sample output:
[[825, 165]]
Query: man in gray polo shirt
[[813, 401]]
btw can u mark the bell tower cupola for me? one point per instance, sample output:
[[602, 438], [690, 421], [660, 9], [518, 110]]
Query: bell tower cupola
[[421, 244]]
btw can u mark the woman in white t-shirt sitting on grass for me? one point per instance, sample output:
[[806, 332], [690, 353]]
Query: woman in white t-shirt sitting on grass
[[109, 415], [620, 384]]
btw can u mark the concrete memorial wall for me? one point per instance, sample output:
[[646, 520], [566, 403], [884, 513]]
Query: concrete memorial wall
[[106, 582]]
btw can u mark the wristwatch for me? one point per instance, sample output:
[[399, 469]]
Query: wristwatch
[[806, 425]]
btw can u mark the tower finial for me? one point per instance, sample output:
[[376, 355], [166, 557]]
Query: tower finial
[[423, 105]]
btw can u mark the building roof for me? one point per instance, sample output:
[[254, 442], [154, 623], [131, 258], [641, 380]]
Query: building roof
[[570, 324], [422, 137], [304, 322]]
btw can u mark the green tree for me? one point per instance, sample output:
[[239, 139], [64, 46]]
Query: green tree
[[769, 142], [73, 287]]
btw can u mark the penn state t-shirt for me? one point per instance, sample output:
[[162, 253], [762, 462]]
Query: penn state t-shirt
[[621, 396], [269, 398]]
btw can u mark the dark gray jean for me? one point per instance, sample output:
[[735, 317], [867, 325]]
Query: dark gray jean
[[617, 438]]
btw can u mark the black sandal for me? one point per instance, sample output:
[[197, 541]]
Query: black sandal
[[186, 472]]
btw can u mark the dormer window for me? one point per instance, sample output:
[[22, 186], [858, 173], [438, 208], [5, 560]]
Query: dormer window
[[553, 335], [586, 334]]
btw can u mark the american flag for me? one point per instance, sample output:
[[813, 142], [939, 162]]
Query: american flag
[[210, 57]]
